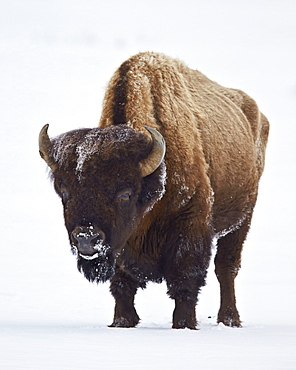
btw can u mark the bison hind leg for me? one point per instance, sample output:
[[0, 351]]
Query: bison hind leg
[[227, 265]]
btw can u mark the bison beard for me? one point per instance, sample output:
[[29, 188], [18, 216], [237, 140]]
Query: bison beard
[[173, 166], [100, 269]]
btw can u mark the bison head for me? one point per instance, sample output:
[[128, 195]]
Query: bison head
[[107, 178]]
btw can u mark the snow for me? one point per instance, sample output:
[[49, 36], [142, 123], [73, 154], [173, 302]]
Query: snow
[[86, 149], [56, 58]]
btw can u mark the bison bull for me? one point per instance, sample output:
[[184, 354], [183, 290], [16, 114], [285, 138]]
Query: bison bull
[[173, 166]]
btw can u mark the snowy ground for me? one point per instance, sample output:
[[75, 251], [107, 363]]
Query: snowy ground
[[56, 57]]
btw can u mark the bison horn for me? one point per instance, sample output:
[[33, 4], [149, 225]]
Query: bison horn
[[44, 147], [152, 162]]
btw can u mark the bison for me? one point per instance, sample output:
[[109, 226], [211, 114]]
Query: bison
[[173, 168]]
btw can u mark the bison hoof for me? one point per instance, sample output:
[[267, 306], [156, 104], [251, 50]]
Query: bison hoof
[[184, 327], [122, 322], [229, 317], [184, 315], [230, 322], [184, 324]]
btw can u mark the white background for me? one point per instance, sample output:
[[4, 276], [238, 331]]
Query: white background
[[56, 57]]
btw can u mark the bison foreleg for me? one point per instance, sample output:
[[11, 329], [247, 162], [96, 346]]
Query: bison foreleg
[[123, 288], [184, 315], [227, 265], [185, 293], [185, 276]]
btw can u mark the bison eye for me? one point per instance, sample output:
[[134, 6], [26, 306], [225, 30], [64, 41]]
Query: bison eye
[[64, 194], [124, 196]]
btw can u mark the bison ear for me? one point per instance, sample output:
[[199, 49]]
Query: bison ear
[[45, 146], [155, 157]]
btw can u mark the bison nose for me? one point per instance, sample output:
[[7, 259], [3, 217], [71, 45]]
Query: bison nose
[[86, 240]]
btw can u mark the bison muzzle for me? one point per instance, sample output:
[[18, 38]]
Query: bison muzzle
[[173, 167], [88, 241]]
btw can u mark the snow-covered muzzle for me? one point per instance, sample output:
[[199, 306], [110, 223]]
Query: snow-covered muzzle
[[88, 242], [101, 249]]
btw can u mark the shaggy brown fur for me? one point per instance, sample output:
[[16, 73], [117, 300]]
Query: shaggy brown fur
[[215, 139]]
